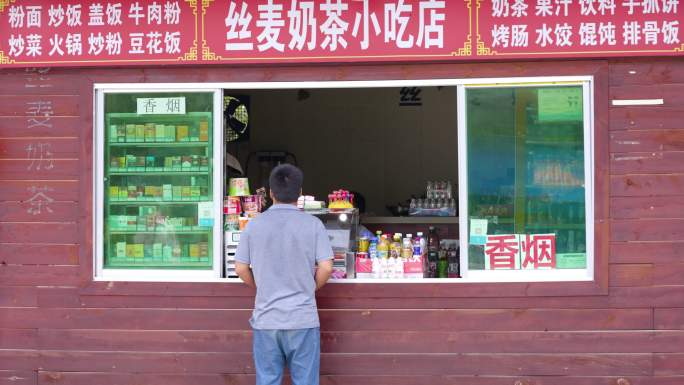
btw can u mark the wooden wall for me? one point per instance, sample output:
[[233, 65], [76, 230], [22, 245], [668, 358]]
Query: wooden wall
[[59, 327]]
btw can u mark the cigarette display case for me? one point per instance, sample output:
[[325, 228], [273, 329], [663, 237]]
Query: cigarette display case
[[160, 196]]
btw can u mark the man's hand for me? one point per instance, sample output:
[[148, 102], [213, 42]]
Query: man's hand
[[245, 273], [323, 273]]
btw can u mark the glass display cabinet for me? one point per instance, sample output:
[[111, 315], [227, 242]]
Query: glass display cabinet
[[159, 195]]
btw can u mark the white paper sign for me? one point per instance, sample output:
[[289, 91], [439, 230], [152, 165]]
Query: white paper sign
[[205, 214], [149, 106]]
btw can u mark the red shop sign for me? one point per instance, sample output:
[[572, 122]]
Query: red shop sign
[[335, 30], [99, 32], [572, 28], [81, 33]]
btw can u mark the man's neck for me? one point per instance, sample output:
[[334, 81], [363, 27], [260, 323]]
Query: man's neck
[[275, 202]]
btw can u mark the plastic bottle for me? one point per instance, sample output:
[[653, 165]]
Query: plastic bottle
[[454, 262], [398, 268], [377, 268], [407, 247], [433, 252], [395, 246], [442, 264], [418, 244], [383, 247], [373, 248]]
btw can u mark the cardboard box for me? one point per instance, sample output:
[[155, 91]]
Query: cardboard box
[[364, 267], [413, 268]]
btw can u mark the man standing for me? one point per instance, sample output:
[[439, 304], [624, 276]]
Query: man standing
[[284, 246]]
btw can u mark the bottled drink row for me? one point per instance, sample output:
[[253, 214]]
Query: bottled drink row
[[405, 256]]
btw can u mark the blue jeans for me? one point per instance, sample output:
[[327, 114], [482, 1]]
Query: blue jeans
[[299, 349]]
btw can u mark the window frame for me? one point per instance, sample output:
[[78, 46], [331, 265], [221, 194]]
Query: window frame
[[559, 275], [592, 271]]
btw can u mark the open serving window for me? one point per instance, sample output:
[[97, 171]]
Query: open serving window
[[416, 181]]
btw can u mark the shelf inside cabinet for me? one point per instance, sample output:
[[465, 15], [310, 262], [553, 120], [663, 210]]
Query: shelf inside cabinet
[[160, 232], [195, 172], [158, 144], [409, 220], [157, 202]]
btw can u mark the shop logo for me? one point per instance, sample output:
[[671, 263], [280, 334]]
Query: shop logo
[[410, 96]]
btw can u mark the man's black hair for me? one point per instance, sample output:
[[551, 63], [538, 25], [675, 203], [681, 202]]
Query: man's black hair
[[286, 183]]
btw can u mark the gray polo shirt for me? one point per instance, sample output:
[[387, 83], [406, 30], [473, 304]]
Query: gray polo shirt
[[283, 245]]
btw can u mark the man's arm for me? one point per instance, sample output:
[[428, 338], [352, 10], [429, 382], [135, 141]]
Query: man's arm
[[245, 273], [323, 273]]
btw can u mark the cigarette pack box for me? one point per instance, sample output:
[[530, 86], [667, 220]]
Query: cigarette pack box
[[193, 133], [120, 250], [123, 192], [157, 250], [130, 133], [195, 192], [182, 133], [167, 193], [139, 133], [132, 192], [114, 192], [130, 250], [204, 131], [194, 250], [186, 193], [150, 132], [167, 252], [113, 133], [147, 250], [171, 132], [120, 133], [138, 250], [122, 222], [159, 132], [177, 193], [203, 249]]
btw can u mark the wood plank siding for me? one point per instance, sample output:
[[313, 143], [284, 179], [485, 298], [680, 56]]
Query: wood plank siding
[[58, 327]]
